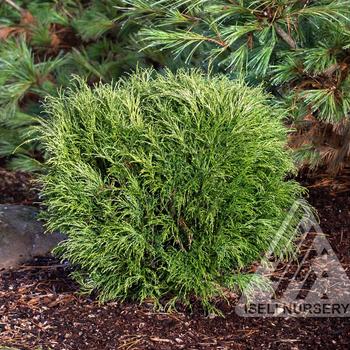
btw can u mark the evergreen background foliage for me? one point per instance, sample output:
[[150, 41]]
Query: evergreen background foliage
[[167, 185], [300, 50]]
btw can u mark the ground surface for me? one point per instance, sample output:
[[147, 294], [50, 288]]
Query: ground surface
[[39, 307], [17, 188]]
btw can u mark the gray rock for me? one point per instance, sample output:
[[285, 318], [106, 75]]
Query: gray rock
[[22, 236]]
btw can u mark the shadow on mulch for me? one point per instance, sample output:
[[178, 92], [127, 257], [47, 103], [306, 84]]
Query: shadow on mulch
[[39, 307]]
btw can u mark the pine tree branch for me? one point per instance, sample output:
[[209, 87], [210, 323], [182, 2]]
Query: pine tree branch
[[218, 42], [330, 70], [14, 5], [285, 36]]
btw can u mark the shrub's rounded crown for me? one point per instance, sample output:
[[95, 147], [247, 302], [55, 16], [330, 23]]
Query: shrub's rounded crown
[[166, 184]]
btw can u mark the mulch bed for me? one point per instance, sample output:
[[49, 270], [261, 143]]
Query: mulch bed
[[17, 187], [40, 307]]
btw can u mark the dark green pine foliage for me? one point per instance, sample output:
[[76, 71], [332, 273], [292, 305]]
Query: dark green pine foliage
[[300, 50], [168, 186], [42, 43]]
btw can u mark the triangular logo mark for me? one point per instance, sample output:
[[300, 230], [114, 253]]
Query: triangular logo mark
[[316, 286]]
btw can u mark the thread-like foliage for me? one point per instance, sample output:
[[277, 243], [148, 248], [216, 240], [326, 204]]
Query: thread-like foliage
[[166, 185]]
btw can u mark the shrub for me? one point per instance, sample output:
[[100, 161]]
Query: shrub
[[166, 185]]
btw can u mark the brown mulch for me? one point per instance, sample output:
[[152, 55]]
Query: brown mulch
[[17, 187], [39, 306]]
